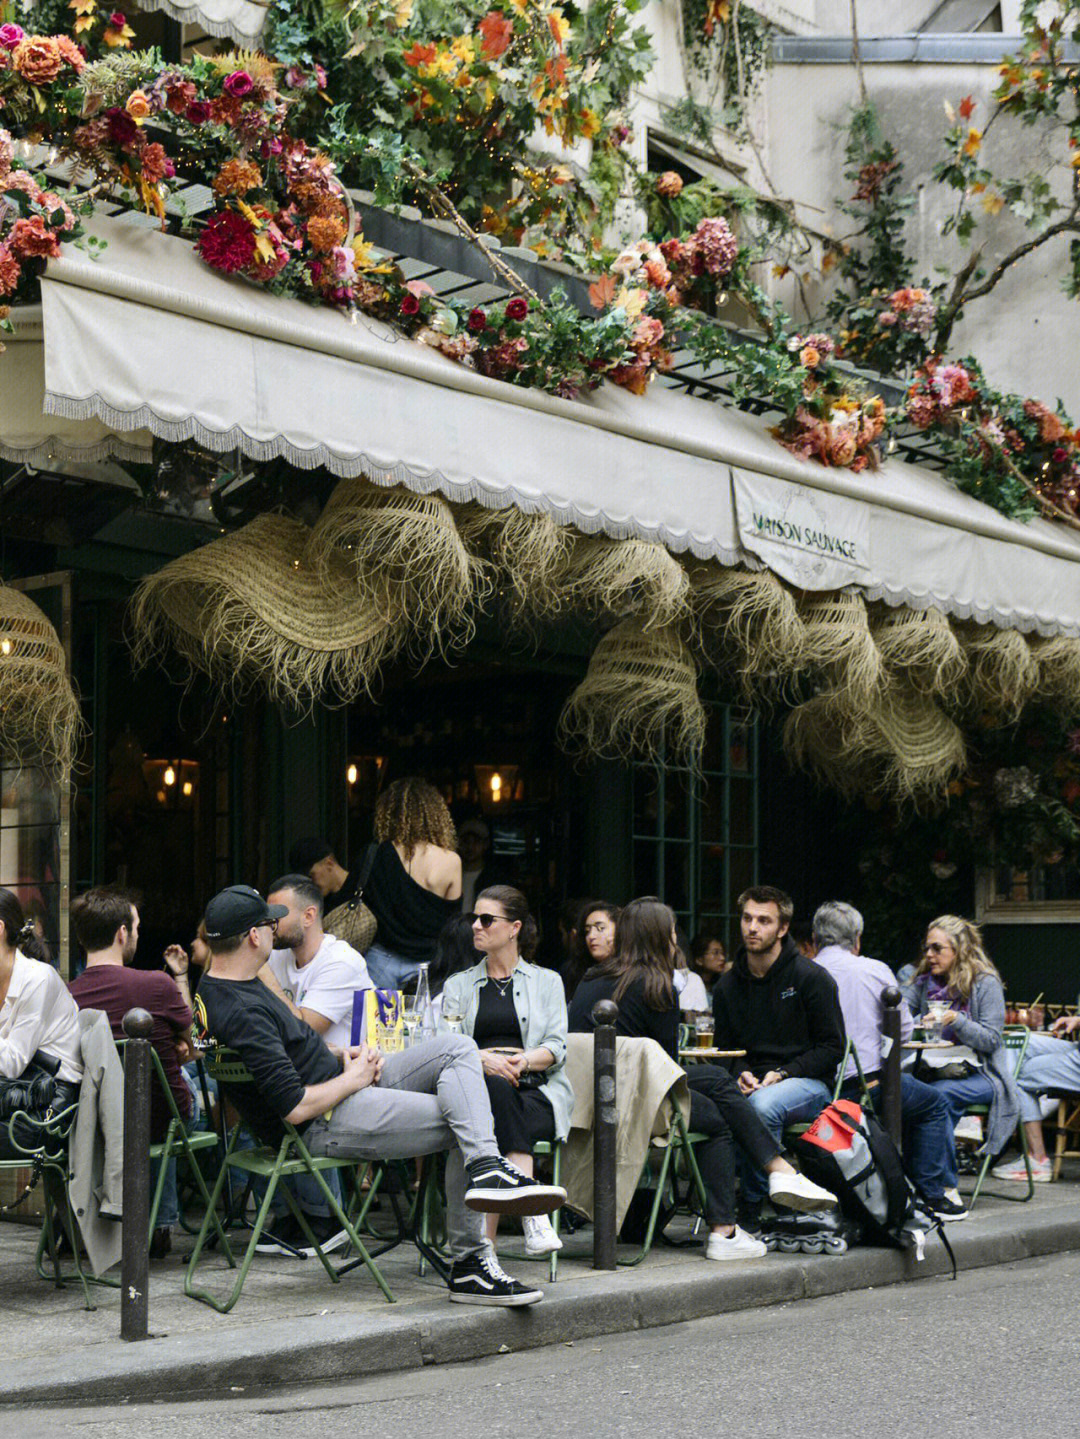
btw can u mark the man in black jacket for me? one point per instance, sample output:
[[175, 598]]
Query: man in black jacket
[[784, 1010]]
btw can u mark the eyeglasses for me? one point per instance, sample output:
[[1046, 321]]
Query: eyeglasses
[[485, 921], [936, 948], [270, 924]]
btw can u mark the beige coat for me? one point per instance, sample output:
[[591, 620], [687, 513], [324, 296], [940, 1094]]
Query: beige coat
[[647, 1082], [97, 1145]]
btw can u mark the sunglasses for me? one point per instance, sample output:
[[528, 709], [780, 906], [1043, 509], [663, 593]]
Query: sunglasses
[[485, 921], [936, 948]]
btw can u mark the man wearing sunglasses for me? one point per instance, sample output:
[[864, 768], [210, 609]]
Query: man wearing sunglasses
[[357, 1103]]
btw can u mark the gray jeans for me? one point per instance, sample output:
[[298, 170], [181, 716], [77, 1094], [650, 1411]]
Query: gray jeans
[[430, 1098]]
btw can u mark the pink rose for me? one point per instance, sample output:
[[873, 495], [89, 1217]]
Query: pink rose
[[10, 35], [239, 84], [117, 20]]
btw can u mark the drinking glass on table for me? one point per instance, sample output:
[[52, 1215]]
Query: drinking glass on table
[[453, 1014], [703, 1031], [934, 1018], [410, 1027]]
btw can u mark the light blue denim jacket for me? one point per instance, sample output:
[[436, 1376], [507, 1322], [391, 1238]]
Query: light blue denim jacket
[[540, 1003]]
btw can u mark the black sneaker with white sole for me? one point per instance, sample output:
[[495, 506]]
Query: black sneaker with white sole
[[947, 1209], [327, 1231], [498, 1187], [480, 1280]]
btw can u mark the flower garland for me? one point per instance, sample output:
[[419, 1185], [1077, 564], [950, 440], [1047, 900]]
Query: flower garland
[[33, 221], [1014, 453]]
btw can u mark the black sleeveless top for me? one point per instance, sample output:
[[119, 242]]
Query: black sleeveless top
[[410, 917]]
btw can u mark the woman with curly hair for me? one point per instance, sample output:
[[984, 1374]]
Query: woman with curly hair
[[956, 971], [414, 885]]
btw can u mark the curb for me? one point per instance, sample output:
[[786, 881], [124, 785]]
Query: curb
[[286, 1353]]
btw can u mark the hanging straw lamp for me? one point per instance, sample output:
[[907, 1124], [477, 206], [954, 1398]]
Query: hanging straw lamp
[[759, 621], [638, 699], [529, 553], [40, 722], [838, 644], [1058, 660], [1003, 674], [621, 576], [825, 736], [251, 611], [921, 644], [923, 749], [405, 555]]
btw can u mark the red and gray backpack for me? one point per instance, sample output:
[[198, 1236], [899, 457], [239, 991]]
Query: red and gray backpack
[[848, 1150]]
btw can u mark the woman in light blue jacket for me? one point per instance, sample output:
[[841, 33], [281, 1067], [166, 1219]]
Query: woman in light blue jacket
[[516, 1012]]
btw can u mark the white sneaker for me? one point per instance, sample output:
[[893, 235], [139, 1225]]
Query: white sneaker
[[970, 1127], [795, 1191], [734, 1246], [1041, 1171], [540, 1236]]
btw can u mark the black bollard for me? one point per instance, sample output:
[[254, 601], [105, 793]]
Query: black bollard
[[890, 1066], [605, 1129], [135, 1255]]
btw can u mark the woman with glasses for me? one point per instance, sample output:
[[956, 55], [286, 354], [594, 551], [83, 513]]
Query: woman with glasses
[[516, 1012], [956, 972]]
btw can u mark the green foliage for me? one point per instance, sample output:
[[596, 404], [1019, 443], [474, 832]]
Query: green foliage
[[729, 41]]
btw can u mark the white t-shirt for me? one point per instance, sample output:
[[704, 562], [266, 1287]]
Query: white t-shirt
[[691, 990], [325, 984]]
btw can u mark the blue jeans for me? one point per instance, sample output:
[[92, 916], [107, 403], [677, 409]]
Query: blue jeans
[[1048, 1064], [305, 1190], [389, 970], [958, 1094], [791, 1101]]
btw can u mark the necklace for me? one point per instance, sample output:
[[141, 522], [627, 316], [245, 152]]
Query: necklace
[[502, 985]]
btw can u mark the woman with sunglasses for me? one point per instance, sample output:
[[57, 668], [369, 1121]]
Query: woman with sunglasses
[[516, 1012], [956, 970]]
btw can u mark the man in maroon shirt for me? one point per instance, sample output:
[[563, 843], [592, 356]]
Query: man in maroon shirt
[[106, 924]]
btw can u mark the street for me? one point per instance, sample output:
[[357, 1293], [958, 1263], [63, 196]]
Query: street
[[981, 1356]]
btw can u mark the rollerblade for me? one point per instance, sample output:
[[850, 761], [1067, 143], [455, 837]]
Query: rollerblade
[[820, 1232]]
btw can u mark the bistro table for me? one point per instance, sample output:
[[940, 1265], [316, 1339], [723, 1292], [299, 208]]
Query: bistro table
[[694, 1053]]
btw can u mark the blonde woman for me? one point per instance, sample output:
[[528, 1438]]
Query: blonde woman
[[414, 885], [956, 970]]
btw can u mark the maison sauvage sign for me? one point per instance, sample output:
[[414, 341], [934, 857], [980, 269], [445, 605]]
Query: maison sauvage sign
[[811, 539]]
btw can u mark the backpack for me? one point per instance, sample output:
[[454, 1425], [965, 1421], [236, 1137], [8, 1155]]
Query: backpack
[[849, 1151]]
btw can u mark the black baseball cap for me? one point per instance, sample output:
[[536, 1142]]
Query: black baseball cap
[[237, 909]]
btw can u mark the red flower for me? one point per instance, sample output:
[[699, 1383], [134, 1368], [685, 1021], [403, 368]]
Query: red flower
[[410, 303], [517, 308], [497, 33], [198, 112], [228, 242], [239, 83], [123, 130], [477, 321], [117, 20]]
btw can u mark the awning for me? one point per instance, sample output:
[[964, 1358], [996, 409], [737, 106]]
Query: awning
[[27, 435], [239, 20], [147, 336]]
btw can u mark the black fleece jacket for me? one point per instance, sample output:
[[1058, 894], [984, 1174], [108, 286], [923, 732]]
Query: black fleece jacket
[[790, 1019]]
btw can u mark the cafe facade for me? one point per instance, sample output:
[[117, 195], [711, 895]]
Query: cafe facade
[[593, 637]]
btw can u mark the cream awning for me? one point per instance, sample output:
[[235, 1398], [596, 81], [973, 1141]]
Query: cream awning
[[239, 20], [147, 336]]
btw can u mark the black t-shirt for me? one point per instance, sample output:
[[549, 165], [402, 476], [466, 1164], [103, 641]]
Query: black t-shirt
[[282, 1053], [497, 1025], [637, 1019]]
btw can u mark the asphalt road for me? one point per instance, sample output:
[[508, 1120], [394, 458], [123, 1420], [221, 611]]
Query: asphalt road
[[995, 1354]]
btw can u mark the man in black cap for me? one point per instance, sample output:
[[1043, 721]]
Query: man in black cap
[[358, 1103]]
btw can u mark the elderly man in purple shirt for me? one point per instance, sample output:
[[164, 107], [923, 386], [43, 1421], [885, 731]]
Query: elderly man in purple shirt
[[861, 983]]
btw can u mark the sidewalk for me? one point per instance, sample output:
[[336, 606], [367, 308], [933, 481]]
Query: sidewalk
[[292, 1325]]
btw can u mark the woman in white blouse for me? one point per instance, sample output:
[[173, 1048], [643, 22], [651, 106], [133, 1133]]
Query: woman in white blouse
[[37, 1014]]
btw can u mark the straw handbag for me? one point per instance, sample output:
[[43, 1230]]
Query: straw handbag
[[353, 921]]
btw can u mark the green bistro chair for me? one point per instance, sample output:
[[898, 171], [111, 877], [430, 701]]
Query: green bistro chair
[[676, 1149], [273, 1165], [1015, 1038], [793, 1131], [47, 1159]]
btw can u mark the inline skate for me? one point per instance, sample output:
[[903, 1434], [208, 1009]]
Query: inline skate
[[822, 1231]]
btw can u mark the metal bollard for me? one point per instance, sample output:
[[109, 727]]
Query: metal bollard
[[605, 1129], [135, 1254], [890, 1066]]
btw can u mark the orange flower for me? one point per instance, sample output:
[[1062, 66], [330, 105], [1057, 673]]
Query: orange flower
[[237, 177], [138, 105], [972, 143], [810, 357], [33, 237], [37, 59], [325, 232]]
